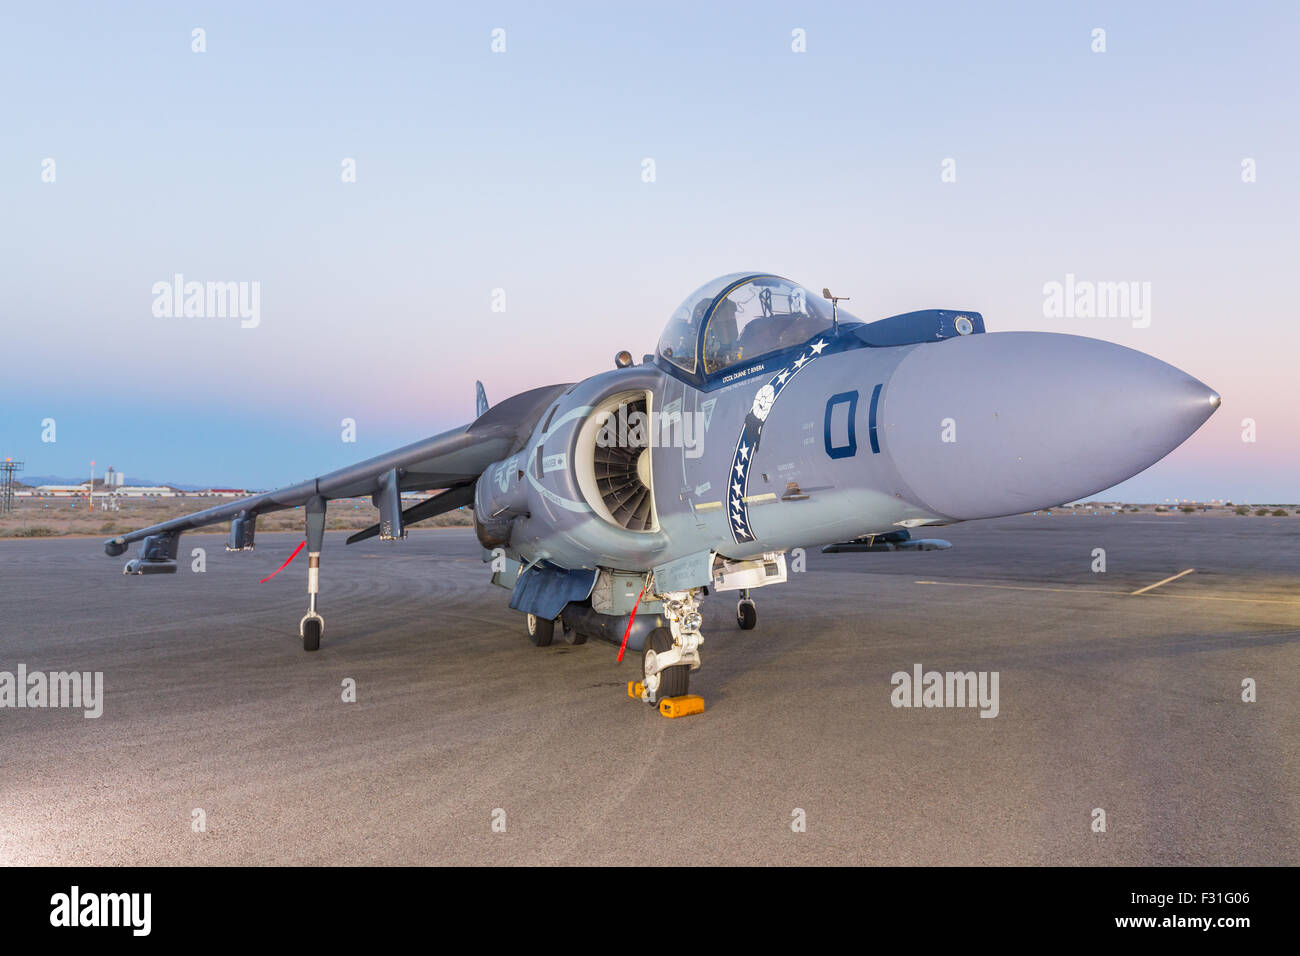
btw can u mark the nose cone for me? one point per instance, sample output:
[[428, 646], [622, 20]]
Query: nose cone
[[1007, 422]]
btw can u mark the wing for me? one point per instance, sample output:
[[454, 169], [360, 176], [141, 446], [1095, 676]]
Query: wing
[[453, 460]]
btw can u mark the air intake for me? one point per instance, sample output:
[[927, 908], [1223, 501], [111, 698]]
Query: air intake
[[622, 470], [611, 461]]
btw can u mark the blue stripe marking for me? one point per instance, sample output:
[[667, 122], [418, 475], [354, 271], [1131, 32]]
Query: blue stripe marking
[[871, 419]]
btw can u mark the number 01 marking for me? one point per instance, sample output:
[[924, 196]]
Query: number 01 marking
[[841, 431]]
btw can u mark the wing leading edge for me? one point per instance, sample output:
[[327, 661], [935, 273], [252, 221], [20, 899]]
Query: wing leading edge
[[451, 460]]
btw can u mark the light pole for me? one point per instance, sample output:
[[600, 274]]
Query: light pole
[[8, 468]]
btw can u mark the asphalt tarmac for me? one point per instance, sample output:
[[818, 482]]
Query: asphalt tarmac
[[467, 745]]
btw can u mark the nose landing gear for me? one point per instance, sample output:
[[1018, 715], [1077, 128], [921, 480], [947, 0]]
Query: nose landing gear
[[671, 653]]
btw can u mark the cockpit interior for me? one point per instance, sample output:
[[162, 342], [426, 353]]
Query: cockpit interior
[[739, 318]]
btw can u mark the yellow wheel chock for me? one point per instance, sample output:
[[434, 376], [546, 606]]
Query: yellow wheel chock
[[684, 706], [670, 707]]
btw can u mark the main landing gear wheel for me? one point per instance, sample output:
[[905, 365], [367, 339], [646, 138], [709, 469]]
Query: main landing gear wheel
[[571, 635], [670, 682], [311, 631], [540, 632], [746, 615]]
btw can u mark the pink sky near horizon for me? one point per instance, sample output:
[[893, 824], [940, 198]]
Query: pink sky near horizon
[[523, 172]]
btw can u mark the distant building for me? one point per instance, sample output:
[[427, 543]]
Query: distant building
[[145, 491], [63, 491]]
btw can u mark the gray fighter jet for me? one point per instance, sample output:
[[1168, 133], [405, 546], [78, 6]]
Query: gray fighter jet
[[767, 420]]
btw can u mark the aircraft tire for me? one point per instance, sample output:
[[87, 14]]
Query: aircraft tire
[[674, 681], [311, 630], [746, 616], [572, 635], [540, 632]]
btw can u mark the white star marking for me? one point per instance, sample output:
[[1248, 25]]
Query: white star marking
[[817, 349], [744, 453], [785, 373], [799, 362]]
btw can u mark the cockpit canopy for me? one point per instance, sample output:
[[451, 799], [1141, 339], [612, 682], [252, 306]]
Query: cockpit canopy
[[739, 318]]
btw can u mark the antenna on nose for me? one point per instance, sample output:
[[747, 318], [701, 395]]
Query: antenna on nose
[[835, 308]]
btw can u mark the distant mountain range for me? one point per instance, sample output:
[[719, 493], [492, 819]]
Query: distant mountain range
[[35, 480]]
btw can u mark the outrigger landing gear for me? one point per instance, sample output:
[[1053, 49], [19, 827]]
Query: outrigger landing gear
[[313, 625], [671, 653], [746, 611]]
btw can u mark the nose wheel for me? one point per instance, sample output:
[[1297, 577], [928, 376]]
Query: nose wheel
[[659, 683]]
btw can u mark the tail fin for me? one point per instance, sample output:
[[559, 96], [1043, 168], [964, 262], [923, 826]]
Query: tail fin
[[480, 398]]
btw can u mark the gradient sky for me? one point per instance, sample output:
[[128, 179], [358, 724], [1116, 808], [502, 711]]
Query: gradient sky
[[522, 171]]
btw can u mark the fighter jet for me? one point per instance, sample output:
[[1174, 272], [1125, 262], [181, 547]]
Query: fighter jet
[[767, 419]]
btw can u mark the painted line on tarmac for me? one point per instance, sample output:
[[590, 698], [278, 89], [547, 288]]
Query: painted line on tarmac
[[1183, 597], [1020, 587], [1172, 577]]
